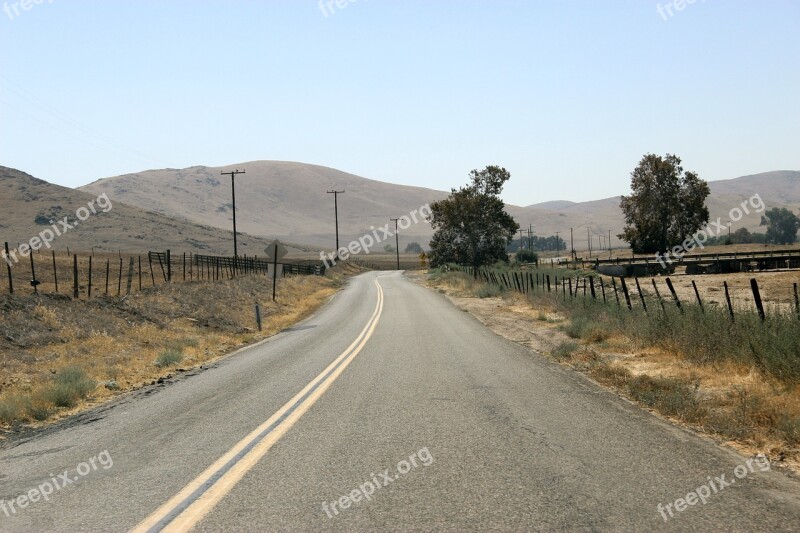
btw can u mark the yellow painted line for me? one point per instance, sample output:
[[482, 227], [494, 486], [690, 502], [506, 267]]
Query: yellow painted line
[[184, 510]]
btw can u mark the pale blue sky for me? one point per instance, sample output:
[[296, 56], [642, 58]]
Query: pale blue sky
[[568, 95]]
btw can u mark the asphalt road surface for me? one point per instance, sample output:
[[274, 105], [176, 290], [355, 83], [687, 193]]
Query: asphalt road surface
[[390, 409]]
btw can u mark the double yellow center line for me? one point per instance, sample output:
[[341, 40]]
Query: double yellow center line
[[184, 510]]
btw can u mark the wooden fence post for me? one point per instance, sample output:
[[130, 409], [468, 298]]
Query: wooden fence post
[[674, 294], [697, 294], [75, 292], [757, 297], [728, 300], [658, 295], [796, 300], [626, 293], [8, 266], [130, 276], [641, 294], [34, 281], [55, 270]]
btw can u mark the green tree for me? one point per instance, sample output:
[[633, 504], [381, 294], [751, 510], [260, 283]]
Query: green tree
[[782, 225], [742, 236], [666, 205], [414, 248], [526, 256], [472, 226]]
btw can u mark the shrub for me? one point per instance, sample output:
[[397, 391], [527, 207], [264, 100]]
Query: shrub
[[489, 291], [565, 349], [169, 357], [527, 256], [68, 386], [9, 410]]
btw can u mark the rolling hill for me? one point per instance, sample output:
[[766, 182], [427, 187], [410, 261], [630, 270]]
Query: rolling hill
[[29, 204], [289, 200]]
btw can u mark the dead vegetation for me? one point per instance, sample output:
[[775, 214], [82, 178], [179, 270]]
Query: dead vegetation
[[58, 355]]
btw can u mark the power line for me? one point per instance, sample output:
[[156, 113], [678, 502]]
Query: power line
[[73, 123]]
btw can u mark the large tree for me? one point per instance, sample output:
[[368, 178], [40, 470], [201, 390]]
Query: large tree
[[472, 226], [666, 206], [782, 225]]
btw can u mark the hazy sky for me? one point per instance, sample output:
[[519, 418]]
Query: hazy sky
[[568, 95]]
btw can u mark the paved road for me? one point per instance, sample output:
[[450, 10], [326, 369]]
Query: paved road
[[389, 409]]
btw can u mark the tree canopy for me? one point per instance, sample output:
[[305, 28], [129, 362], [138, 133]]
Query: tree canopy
[[782, 225], [666, 205], [471, 225], [414, 248]]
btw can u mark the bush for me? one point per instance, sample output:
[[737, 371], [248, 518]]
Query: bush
[[585, 327], [68, 386], [527, 256], [9, 410], [169, 357], [565, 349], [489, 290]]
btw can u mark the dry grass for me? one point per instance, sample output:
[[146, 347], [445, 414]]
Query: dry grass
[[58, 355]]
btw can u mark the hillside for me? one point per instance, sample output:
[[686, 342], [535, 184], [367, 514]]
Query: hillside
[[29, 204], [282, 199], [289, 200]]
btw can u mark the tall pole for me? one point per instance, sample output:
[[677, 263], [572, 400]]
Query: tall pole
[[233, 198], [520, 239], [336, 214], [530, 236], [558, 244], [572, 243], [396, 240], [589, 239]]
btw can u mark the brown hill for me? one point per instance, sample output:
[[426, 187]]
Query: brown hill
[[275, 198], [289, 200], [28, 206]]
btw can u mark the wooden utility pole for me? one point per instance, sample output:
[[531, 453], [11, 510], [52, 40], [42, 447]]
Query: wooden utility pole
[[396, 240], [233, 198], [336, 215]]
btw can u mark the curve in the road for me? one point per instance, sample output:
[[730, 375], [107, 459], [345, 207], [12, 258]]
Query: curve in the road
[[199, 497]]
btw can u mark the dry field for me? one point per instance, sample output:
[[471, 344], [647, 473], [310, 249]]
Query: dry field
[[51, 344]]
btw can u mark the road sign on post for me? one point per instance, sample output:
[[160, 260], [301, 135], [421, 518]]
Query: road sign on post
[[275, 251]]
